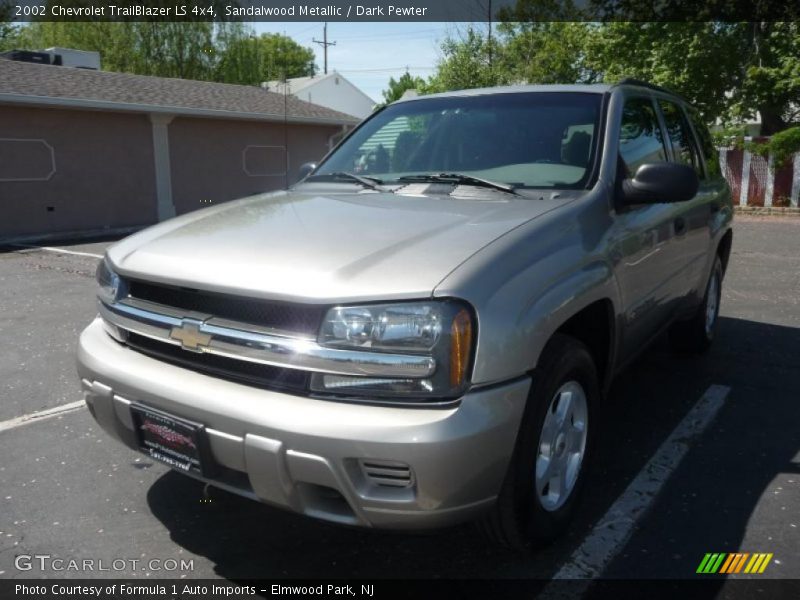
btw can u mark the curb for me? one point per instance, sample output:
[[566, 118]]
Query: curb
[[767, 211]]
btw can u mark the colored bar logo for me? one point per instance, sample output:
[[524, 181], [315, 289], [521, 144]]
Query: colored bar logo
[[730, 563]]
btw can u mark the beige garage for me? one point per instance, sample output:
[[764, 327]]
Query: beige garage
[[87, 151]]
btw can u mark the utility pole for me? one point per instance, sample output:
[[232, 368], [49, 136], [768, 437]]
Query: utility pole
[[491, 66], [324, 43]]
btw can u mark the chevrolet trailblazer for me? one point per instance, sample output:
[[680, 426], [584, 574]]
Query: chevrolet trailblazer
[[421, 331]]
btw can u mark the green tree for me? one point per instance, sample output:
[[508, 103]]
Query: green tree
[[730, 71], [697, 60], [172, 49], [248, 59], [7, 30], [397, 87], [549, 52], [466, 64], [229, 52]]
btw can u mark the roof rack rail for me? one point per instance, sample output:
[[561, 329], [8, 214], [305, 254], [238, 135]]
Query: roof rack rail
[[652, 86]]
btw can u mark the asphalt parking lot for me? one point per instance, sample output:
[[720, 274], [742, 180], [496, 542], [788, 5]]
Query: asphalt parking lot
[[67, 490]]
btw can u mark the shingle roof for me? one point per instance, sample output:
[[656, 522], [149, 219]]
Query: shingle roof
[[22, 82], [297, 83]]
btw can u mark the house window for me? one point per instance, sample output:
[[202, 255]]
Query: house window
[[26, 160]]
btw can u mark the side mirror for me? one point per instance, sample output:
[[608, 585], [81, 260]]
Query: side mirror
[[660, 182], [305, 170]]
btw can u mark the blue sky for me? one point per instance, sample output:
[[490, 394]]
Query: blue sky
[[368, 54]]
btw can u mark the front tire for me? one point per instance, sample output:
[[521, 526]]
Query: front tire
[[696, 335], [553, 448]]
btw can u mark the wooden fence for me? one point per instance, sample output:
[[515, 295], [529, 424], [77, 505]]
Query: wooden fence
[[755, 181]]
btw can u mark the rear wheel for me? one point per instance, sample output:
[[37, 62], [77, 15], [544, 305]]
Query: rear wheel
[[696, 335], [552, 452]]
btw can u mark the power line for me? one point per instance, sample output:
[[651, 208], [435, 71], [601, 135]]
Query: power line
[[387, 69]]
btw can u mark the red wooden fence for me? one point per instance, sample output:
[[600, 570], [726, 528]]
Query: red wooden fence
[[755, 181]]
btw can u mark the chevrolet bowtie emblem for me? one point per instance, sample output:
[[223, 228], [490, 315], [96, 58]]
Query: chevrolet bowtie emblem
[[190, 336]]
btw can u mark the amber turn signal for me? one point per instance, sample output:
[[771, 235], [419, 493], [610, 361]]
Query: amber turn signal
[[460, 346]]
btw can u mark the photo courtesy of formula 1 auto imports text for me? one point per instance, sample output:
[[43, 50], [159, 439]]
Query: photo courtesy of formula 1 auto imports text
[[400, 299]]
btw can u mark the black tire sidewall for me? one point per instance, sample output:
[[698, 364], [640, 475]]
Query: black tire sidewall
[[716, 270], [568, 360]]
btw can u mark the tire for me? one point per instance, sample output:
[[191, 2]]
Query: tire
[[534, 508], [696, 335]]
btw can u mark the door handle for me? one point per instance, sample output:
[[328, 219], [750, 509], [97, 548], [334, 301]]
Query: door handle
[[680, 226]]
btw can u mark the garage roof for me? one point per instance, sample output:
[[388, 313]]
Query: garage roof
[[46, 85]]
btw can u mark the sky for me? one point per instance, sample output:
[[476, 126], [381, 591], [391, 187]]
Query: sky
[[368, 54]]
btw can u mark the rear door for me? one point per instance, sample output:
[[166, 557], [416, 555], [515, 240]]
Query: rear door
[[641, 247], [690, 219]]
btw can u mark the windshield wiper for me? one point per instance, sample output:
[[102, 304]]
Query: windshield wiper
[[368, 182], [460, 178]]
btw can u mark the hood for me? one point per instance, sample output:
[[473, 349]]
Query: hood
[[323, 247]]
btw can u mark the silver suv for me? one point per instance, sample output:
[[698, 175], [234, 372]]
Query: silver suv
[[421, 331]]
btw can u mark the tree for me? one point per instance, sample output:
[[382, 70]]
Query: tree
[[549, 52], [729, 70], [397, 87], [228, 52], [697, 60], [250, 60], [171, 49], [465, 64], [769, 67], [7, 30]]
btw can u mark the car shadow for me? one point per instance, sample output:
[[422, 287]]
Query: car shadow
[[245, 539]]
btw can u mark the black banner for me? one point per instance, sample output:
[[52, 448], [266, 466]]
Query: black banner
[[401, 10], [718, 588]]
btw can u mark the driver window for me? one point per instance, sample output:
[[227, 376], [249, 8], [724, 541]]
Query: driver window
[[641, 140]]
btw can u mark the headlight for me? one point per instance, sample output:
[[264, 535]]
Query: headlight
[[443, 330], [109, 282]]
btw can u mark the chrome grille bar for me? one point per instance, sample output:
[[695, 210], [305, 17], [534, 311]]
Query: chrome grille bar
[[253, 344]]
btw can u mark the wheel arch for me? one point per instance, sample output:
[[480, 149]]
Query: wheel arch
[[724, 249], [593, 325]]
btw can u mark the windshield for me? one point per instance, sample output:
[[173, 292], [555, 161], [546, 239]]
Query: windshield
[[533, 139]]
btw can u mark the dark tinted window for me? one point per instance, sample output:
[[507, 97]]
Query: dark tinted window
[[706, 145], [640, 137], [536, 139], [680, 135]]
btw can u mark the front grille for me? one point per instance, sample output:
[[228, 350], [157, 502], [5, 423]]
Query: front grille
[[297, 318], [239, 371]]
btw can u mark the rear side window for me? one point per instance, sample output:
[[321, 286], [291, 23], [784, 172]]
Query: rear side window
[[706, 145], [680, 136], [640, 139]]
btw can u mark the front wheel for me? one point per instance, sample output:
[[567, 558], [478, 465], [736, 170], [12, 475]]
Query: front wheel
[[696, 335], [552, 452]]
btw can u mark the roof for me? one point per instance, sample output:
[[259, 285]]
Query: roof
[[46, 85], [589, 88], [593, 88], [298, 84]]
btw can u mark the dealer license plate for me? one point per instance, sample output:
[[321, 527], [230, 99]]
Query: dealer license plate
[[173, 441]]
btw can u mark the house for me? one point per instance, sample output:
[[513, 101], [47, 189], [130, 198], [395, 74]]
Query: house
[[332, 90], [85, 150]]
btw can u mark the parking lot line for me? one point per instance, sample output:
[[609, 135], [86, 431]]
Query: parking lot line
[[40, 416], [58, 250], [611, 532]]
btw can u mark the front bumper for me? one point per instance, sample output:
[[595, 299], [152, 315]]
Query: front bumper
[[319, 457]]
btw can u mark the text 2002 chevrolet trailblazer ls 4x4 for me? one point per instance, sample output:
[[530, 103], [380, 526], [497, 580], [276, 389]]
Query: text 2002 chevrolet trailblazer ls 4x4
[[421, 331]]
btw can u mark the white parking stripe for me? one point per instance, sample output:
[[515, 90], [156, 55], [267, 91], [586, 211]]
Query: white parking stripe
[[615, 527], [40, 416], [58, 250]]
